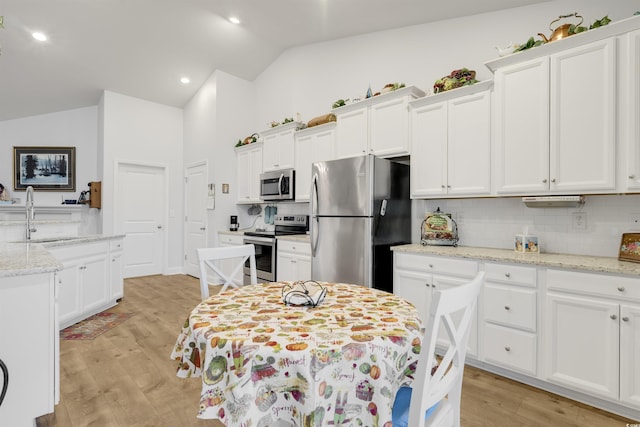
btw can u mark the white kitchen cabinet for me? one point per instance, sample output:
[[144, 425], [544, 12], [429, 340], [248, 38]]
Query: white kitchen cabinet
[[554, 121], [227, 265], [293, 260], [248, 170], [590, 320], [629, 113], [312, 145], [451, 143], [378, 125], [278, 147], [29, 341], [416, 276], [116, 280], [510, 317], [85, 286]]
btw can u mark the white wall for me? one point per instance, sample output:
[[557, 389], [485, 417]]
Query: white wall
[[72, 128], [135, 130], [214, 119]]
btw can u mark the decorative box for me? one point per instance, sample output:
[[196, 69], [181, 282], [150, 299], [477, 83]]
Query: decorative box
[[526, 243]]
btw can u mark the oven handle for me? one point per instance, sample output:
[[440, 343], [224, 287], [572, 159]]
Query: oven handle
[[256, 239]]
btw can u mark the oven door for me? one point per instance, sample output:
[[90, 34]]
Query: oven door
[[265, 259]]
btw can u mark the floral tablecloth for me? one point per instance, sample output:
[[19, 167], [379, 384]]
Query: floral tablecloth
[[338, 364]]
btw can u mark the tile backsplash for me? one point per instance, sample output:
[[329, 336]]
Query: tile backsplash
[[594, 228]]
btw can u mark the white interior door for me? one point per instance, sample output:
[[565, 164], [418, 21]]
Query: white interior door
[[196, 216], [141, 212]]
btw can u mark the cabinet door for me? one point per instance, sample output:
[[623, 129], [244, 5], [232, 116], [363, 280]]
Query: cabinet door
[[582, 344], [630, 354], [582, 118], [69, 302], [243, 165], [94, 272], [445, 282], [352, 133], [469, 145], [429, 150], [389, 128], [309, 149], [255, 169], [521, 124], [287, 265], [278, 151], [630, 111], [415, 287], [116, 279], [270, 152]]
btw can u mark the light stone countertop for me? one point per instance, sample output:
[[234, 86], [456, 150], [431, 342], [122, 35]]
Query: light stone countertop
[[232, 233], [575, 262], [22, 258]]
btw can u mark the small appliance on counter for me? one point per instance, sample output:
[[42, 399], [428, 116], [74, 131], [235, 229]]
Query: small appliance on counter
[[233, 223], [439, 229]]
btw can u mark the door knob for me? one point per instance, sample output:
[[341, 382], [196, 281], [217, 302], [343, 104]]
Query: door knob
[[159, 227]]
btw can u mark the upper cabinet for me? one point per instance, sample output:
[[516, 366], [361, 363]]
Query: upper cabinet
[[377, 125], [630, 111], [314, 144], [277, 150], [248, 170], [451, 143], [555, 122]]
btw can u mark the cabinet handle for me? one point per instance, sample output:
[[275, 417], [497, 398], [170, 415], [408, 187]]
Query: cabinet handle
[[442, 186], [621, 288], [293, 247], [544, 181], [202, 228], [506, 307], [507, 275], [507, 348], [632, 176], [448, 186], [430, 265], [553, 180], [613, 317], [625, 319]]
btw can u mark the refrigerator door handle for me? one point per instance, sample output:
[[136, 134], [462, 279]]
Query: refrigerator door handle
[[313, 200]]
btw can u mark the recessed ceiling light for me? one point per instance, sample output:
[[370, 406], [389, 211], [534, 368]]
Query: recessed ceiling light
[[234, 20], [185, 80], [39, 36]]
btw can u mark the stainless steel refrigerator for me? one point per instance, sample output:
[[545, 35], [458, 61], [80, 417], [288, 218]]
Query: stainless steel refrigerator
[[360, 207]]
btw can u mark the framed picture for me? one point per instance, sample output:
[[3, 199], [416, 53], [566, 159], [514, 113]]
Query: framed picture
[[44, 168], [630, 247]]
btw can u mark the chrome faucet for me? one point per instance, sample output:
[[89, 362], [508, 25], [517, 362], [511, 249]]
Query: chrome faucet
[[30, 212]]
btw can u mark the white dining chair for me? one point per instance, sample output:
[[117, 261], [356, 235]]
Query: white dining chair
[[208, 256], [434, 398]]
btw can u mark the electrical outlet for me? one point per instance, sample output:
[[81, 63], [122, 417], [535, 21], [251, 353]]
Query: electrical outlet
[[634, 220], [579, 221]]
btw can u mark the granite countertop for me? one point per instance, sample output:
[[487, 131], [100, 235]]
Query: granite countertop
[[576, 262], [232, 233], [22, 258]]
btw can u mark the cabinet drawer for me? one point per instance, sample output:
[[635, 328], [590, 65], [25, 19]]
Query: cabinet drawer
[[594, 284], [83, 250], [431, 264], [230, 239], [116, 245], [510, 306], [300, 248], [510, 348], [509, 273]]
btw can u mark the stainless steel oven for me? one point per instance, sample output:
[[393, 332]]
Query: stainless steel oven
[[265, 243], [265, 258]]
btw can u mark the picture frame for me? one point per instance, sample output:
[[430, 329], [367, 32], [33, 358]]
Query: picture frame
[[629, 247], [44, 168]]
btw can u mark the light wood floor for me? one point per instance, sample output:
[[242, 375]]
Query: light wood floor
[[125, 377]]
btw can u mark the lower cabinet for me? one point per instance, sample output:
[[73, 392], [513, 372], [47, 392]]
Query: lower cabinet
[[573, 332], [593, 334], [417, 276], [293, 260], [90, 280]]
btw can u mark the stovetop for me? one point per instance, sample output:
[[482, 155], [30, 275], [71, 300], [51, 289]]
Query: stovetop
[[284, 225]]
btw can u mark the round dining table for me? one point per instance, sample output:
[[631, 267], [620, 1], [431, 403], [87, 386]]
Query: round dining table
[[260, 360]]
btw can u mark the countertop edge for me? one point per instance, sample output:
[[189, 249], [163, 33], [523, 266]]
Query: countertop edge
[[574, 262]]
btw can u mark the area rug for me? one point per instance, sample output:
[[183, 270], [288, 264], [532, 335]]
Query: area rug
[[94, 326]]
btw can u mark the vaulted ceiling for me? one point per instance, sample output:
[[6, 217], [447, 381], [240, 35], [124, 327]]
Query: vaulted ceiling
[[142, 48]]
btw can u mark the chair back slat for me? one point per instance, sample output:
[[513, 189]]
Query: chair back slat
[[208, 256]]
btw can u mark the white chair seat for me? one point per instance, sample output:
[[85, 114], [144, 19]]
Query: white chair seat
[[434, 398], [208, 256]]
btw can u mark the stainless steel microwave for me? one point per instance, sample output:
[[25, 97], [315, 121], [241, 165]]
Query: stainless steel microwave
[[278, 185]]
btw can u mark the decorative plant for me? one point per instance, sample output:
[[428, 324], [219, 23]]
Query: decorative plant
[[457, 78], [248, 140], [340, 103], [284, 122]]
